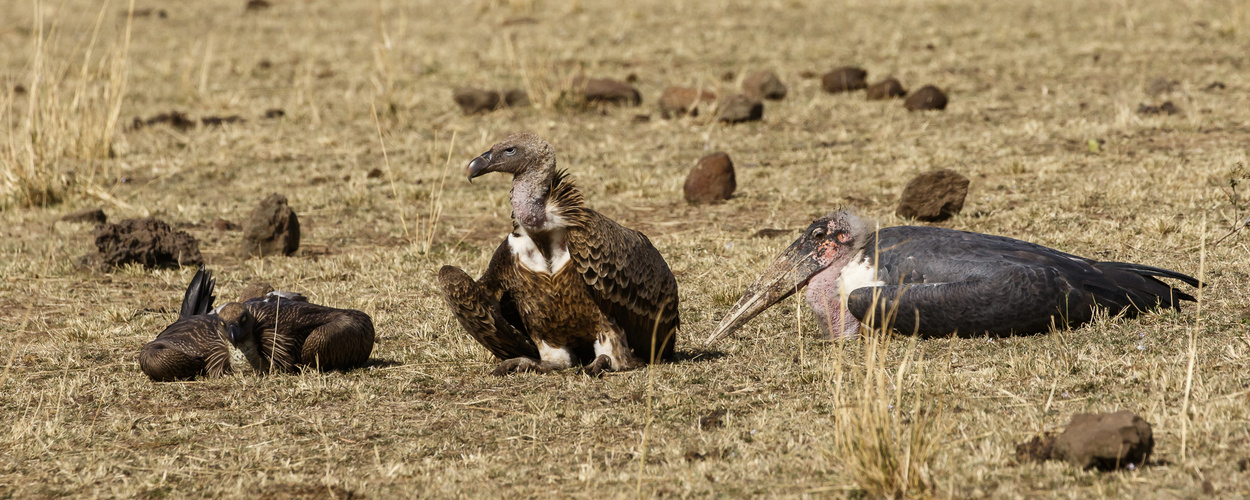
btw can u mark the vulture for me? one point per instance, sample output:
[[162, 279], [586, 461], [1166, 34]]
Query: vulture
[[932, 281], [568, 286], [265, 330]]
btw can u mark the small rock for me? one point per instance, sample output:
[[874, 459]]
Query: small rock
[[764, 85], [606, 90], [1167, 108], [739, 108], [681, 100], [728, 76], [272, 113], [516, 98], [711, 180], [149, 242], [256, 5], [1161, 86], [769, 232], [807, 74], [844, 79], [225, 225], [217, 121], [1105, 440], [1038, 449], [928, 97], [1214, 86], [889, 88], [374, 173], [272, 229], [19, 89], [933, 196], [473, 100], [89, 215], [641, 118]]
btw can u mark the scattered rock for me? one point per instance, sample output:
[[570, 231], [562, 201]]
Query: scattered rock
[[374, 174], [473, 100], [264, 64], [928, 97], [889, 88], [19, 89], [764, 85], [933, 196], [606, 90], [145, 13], [1161, 86], [217, 121], [807, 74], [1038, 449], [769, 232], [844, 79], [1106, 441], [1214, 86], [631, 78], [1167, 108], [149, 242], [225, 225], [516, 98], [641, 118], [272, 113], [88, 215], [739, 108], [175, 119], [272, 229], [711, 180], [681, 100], [256, 5], [728, 76]]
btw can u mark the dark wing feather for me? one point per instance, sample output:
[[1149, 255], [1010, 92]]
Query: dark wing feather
[[630, 281], [199, 296], [976, 283]]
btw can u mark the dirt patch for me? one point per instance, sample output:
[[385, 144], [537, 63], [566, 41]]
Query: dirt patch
[[1105, 441], [149, 242]]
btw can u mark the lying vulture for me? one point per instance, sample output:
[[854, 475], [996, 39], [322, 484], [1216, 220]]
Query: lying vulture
[[934, 282], [263, 331], [568, 285]]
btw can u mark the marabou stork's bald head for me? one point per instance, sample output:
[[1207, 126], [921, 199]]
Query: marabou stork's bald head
[[827, 245], [518, 154]]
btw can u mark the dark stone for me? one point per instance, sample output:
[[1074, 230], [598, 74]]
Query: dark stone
[[217, 121], [890, 88], [935, 195], [928, 97], [19, 89], [681, 100], [1167, 108], [272, 113], [1214, 86], [473, 100], [175, 119], [149, 242], [1106, 441], [739, 108], [606, 90], [728, 76], [844, 79], [764, 85], [711, 180], [374, 173], [516, 98], [1038, 449], [89, 215], [256, 5], [272, 229]]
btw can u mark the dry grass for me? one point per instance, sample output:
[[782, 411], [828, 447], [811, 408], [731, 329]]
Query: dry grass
[[764, 413]]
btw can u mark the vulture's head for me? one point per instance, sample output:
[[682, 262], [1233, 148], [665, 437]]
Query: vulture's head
[[241, 331], [827, 244], [517, 155]]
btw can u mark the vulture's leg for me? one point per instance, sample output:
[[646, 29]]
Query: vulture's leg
[[612, 351], [343, 342], [479, 314]]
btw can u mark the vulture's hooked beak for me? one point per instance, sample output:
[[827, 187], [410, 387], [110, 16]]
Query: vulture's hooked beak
[[479, 165], [236, 333], [783, 278]]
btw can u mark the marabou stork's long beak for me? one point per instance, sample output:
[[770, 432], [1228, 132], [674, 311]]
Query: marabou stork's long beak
[[789, 273]]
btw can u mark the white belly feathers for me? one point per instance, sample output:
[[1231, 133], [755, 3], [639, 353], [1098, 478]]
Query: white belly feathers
[[858, 273], [532, 258]]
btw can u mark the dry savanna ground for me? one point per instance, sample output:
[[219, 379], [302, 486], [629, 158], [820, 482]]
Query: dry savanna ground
[[1043, 120]]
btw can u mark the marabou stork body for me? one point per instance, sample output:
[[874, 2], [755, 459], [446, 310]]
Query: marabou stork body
[[934, 282]]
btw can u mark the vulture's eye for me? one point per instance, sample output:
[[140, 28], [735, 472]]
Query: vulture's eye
[[510, 151]]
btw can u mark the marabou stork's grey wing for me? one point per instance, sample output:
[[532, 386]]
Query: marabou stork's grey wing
[[629, 280]]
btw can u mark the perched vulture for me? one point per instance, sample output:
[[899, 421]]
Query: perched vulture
[[270, 330], [934, 282], [568, 285]]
